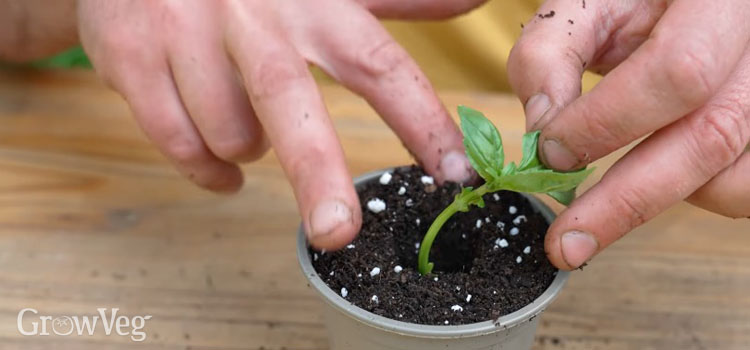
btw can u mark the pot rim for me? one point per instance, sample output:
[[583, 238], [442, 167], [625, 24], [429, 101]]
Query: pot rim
[[513, 319]]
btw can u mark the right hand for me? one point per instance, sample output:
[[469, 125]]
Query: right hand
[[677, 75], [213, 83]]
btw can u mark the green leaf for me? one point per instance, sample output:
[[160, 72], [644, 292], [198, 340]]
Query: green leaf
[[484, 146], [563, 197], [530, 156], [509, 169], [540, 180]]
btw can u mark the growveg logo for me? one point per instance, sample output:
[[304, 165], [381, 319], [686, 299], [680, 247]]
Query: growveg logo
[[106, 321]]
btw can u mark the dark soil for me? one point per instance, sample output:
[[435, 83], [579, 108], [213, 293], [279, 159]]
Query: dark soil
[[467, 259]]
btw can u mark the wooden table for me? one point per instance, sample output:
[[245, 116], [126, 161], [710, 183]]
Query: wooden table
[[91, 216]]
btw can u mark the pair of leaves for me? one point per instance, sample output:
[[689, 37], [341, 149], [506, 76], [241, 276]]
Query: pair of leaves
[[484, 148]]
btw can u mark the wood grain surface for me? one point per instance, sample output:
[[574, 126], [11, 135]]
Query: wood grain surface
[[92, 216]]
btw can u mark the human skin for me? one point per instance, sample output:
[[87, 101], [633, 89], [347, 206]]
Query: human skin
[[676, 73], [215, 83]]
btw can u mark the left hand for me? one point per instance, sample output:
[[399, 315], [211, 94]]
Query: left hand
[[676, 73]]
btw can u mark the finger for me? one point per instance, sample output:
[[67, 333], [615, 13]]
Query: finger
[[419, 9], [728, 193], [663, 170], [675, 71], [157, 108], [563, 40], [212, 93], [290, 107], [368, 61]]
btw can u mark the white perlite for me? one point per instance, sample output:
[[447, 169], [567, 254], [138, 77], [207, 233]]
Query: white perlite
[[514, 231], [497, 198], [401, 191], [385, 178], [479, 223], [374, 272], [501, 226], [398, 269], [416, 245], [512, 210], [359, 275], [519, 259], [418, 221], [428, 180], [350, 246], [457, 308], [436, 279], [519, 219], [315, 256], [468, 298], [375, 299], [409, 202], [501, 242], [344, 292], [376, 205], [527, 250], [446, 322], [331, 274]]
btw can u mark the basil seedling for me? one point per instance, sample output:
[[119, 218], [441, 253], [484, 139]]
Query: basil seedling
[[484, 148]]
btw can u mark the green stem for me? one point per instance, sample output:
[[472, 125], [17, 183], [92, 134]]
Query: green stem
[[425, 266]]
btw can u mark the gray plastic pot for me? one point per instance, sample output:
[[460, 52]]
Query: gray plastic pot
[[352, 328]]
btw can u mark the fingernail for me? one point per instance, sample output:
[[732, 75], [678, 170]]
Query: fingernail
[[535, 108], [328, 216], [456, 167], [578, 247], [557, 156]]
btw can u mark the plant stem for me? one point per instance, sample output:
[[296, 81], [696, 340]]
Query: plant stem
[[424, 264]]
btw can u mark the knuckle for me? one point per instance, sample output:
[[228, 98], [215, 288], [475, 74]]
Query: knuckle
[[523, 53], [275, 73], [718, 132], [381, 58], [117, 44], [119, 57], [688, 72], [635, 208]]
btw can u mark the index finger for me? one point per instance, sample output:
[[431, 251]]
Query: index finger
[[367, 60], [682, 65]]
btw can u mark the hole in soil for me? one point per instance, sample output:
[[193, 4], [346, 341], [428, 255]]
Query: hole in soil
[[452, 250]]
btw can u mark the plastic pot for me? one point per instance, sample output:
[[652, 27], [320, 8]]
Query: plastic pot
[[352, 328]]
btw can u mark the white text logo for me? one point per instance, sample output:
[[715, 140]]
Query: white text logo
[[106, 319]]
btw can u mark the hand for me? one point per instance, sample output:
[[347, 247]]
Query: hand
[[213, 83], [676, 73]]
